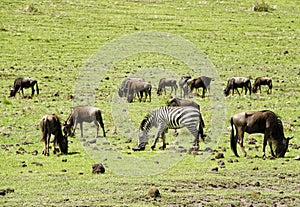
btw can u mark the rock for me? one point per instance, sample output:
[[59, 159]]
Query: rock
[[98, 168], [154, 193], [64, 160], [215, 169], [219, 156]]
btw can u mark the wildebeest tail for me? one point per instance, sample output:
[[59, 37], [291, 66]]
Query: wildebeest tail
[[233, 139], [100, 120], [44, 130], [37, 88]]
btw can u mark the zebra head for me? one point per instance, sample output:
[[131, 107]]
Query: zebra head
[[142, 141]]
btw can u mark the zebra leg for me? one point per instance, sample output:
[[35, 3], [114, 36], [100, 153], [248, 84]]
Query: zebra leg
[[193, 130], [163, 136], [159, 132]]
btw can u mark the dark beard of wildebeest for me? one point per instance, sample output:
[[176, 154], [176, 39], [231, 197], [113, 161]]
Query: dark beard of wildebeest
[[50, 125], [238, 82], [183, 85], [200, 82], [21, 83], [262, 81], [166, 82], [266, 122], [82, 114], [165, 118]]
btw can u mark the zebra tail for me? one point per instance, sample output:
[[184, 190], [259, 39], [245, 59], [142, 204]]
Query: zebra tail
[[201, 126], [233, 139]]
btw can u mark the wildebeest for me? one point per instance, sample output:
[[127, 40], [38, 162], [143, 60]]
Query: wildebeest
[[266, 122], [21, 83], [182, 102], [238, 82], [200, 82], [123, 90], [166, 82], [167, 117], [262, 81], [139, 88], [82, 114], [183, 85], [50, 125]]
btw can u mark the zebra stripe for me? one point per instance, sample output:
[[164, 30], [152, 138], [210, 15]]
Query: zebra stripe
[[167, 117]]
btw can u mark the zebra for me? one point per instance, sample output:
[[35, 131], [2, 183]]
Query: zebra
[[167, 117]]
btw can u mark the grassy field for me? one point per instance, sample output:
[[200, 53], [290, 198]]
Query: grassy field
[[53, 41]]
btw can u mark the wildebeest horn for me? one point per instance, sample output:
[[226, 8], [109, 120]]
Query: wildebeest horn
[[290, 137]]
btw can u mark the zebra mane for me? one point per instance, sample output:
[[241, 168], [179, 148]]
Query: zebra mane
[[145, 122]]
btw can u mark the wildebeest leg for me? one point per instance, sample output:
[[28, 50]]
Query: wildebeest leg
[[74, 128], [159, 131], [47, 142], [264, 145], [259, 88], [272, 152], [81, 128], [22, 91], [97, 128], [240, 135]]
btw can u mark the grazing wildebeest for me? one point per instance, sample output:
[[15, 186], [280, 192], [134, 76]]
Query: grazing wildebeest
[[183, 85], [123, 90], [238, 82], [166, 82], [200, 82], [139, 88], [50, 125], [266, 122], [82, 114], [167, 117], [262, 81], [182, 102], [21, 83]]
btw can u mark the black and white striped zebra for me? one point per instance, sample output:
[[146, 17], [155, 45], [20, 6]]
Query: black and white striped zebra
[[167, 117]]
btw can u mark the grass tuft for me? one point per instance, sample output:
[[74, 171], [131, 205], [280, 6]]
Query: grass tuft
[[262, 7]]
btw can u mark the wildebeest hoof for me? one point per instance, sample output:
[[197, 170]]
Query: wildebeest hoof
[[138, 148]]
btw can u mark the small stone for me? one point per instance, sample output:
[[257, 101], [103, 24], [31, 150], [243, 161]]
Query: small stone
[[215, 169], [64, 160], [219, 156], [98, 168], [154, 193]]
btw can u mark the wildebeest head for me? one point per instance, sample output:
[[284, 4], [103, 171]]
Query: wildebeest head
[[282, 148], [12, 91], [63, 144], [67, 129]]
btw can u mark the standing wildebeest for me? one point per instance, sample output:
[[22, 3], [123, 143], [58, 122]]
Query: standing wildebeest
[[123, 90], [138, 88], [265, 122], [82, 114], [50, 124], [166, 82], [167, 117], [262, 81], [183, 85], [200, 82], [238, 82], [21, 83]]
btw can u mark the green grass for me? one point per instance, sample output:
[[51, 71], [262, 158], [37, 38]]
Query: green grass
[[52, 40]]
